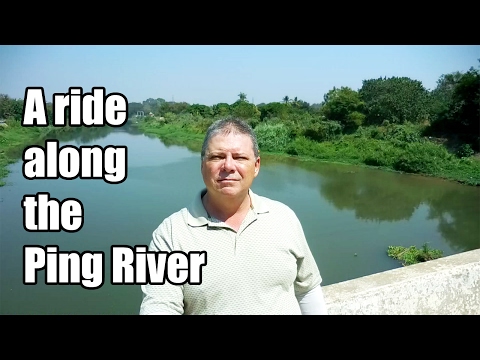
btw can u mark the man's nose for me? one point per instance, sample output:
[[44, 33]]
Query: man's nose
[[229, 163]]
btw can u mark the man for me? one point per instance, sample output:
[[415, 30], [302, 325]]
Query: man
[[258, 260]]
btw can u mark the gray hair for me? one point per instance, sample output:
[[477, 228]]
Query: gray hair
[[227, 126]]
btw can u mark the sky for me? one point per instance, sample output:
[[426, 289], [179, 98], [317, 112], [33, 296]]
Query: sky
[[211, 74]]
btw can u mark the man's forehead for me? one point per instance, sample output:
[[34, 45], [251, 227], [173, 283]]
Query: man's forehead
[[230, 141]]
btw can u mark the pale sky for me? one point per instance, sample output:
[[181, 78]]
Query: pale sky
[[210, 74]]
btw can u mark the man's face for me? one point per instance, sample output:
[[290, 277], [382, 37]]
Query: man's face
[[229, 166]]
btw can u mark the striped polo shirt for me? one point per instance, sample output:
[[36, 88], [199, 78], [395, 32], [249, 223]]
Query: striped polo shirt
[[257, 270]]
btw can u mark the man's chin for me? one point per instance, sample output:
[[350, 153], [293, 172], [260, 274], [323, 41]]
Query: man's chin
[[229, 190]]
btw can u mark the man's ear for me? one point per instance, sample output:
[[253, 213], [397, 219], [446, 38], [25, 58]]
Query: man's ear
[[257, 165]]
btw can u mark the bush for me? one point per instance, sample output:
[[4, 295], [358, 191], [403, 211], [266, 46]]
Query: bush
[[169, 117], [379, 152], [253, 122], [413, 164], [403, 133], [201, 125], [368, 132], [323, 130], [354, 120], [465, 151], [391, 132], [272, 137], [421, 158]]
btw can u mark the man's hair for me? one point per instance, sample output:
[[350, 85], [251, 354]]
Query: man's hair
[[227, 126]]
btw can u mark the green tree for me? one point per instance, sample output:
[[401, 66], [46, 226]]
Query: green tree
[[133, 108], [243, 96], [173, 107], [153, 105], [345, 106], [458, 110], [396, 99], [49, 112], [10, 108], [441, 96], [244, 110], [274, 109], [303, 105], [202, 110], [465, 108], [286, 99], [221, 109]]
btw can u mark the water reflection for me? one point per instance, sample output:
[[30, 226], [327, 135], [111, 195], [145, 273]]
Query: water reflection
[[195, 146], [83, 135], [382, 196], [454, 210]]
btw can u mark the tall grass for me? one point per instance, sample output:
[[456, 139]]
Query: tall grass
[[395, 147], [14, 137], [272, 137]]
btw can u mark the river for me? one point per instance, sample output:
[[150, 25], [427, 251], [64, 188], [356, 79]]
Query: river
[[350, 216]]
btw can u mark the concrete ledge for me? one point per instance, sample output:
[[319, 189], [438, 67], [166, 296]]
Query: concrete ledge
[[446, 286]]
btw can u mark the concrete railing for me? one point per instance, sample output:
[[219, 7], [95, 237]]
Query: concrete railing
[[446, 286]]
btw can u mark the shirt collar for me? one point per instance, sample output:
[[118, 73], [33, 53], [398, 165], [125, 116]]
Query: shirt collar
[[197, 215]]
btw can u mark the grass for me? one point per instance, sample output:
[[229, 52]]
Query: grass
[[412, 255], [423, 158], [399, 149], [173, 134], [14, 138]]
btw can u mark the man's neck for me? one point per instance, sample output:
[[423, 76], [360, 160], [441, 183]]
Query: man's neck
[[224, 208]]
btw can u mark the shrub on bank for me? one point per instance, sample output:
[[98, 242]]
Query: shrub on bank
[[272, 137], [392, 146]]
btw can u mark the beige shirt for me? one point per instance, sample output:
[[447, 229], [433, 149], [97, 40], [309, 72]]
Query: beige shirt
[[257, 270]]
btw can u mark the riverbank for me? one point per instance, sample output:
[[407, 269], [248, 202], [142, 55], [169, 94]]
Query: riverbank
[[14, 138], [417, 155]]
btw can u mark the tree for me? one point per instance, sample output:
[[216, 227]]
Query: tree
[[153, 105], [244, 110], [303, 105], [274, 109], [315, 108], [10, 108], [396, 99], [221, 109], [465, 106], [203, 110], [242, 96], [345, 106], [173, 107], [149, 105], [441, 96], [133, 108], [286, 99], [458, 107]]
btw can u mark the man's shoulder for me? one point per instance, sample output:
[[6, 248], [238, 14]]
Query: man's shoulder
[[274, 205], [191, 214], [272, 202], [179, 216]]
